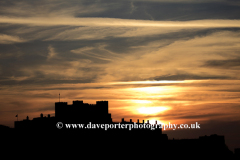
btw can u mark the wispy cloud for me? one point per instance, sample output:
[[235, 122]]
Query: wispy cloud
[[52, 53], [9, 39], [190, 57], [115, 22]]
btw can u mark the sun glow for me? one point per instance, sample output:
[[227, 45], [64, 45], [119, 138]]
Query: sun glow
[[150, 90], [151, 110], [151, 82], [141, 101]]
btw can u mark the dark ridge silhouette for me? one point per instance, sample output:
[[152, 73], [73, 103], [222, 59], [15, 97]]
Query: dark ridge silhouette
[[4, 128], [64, 130], [237, 153]]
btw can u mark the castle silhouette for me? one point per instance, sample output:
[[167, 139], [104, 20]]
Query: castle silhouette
[[82, 113], [212, 146]]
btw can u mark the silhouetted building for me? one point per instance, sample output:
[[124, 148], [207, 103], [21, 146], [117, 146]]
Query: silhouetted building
[[40, 123], [80, 112], [209, 147]]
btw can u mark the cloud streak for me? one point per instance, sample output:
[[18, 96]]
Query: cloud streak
[[115, 22], [8, 39]]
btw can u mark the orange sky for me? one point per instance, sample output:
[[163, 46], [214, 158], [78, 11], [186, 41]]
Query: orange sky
[[180, 102]]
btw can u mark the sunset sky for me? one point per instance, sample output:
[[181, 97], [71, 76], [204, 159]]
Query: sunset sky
[[174, 61]]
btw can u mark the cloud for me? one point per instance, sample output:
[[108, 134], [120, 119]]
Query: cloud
[[8, 39], [187, 76], [115, 22], [179, 1], [72, 28], [224, 64], [99, 51], [181, 59], [48, 8], [51, 53]]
